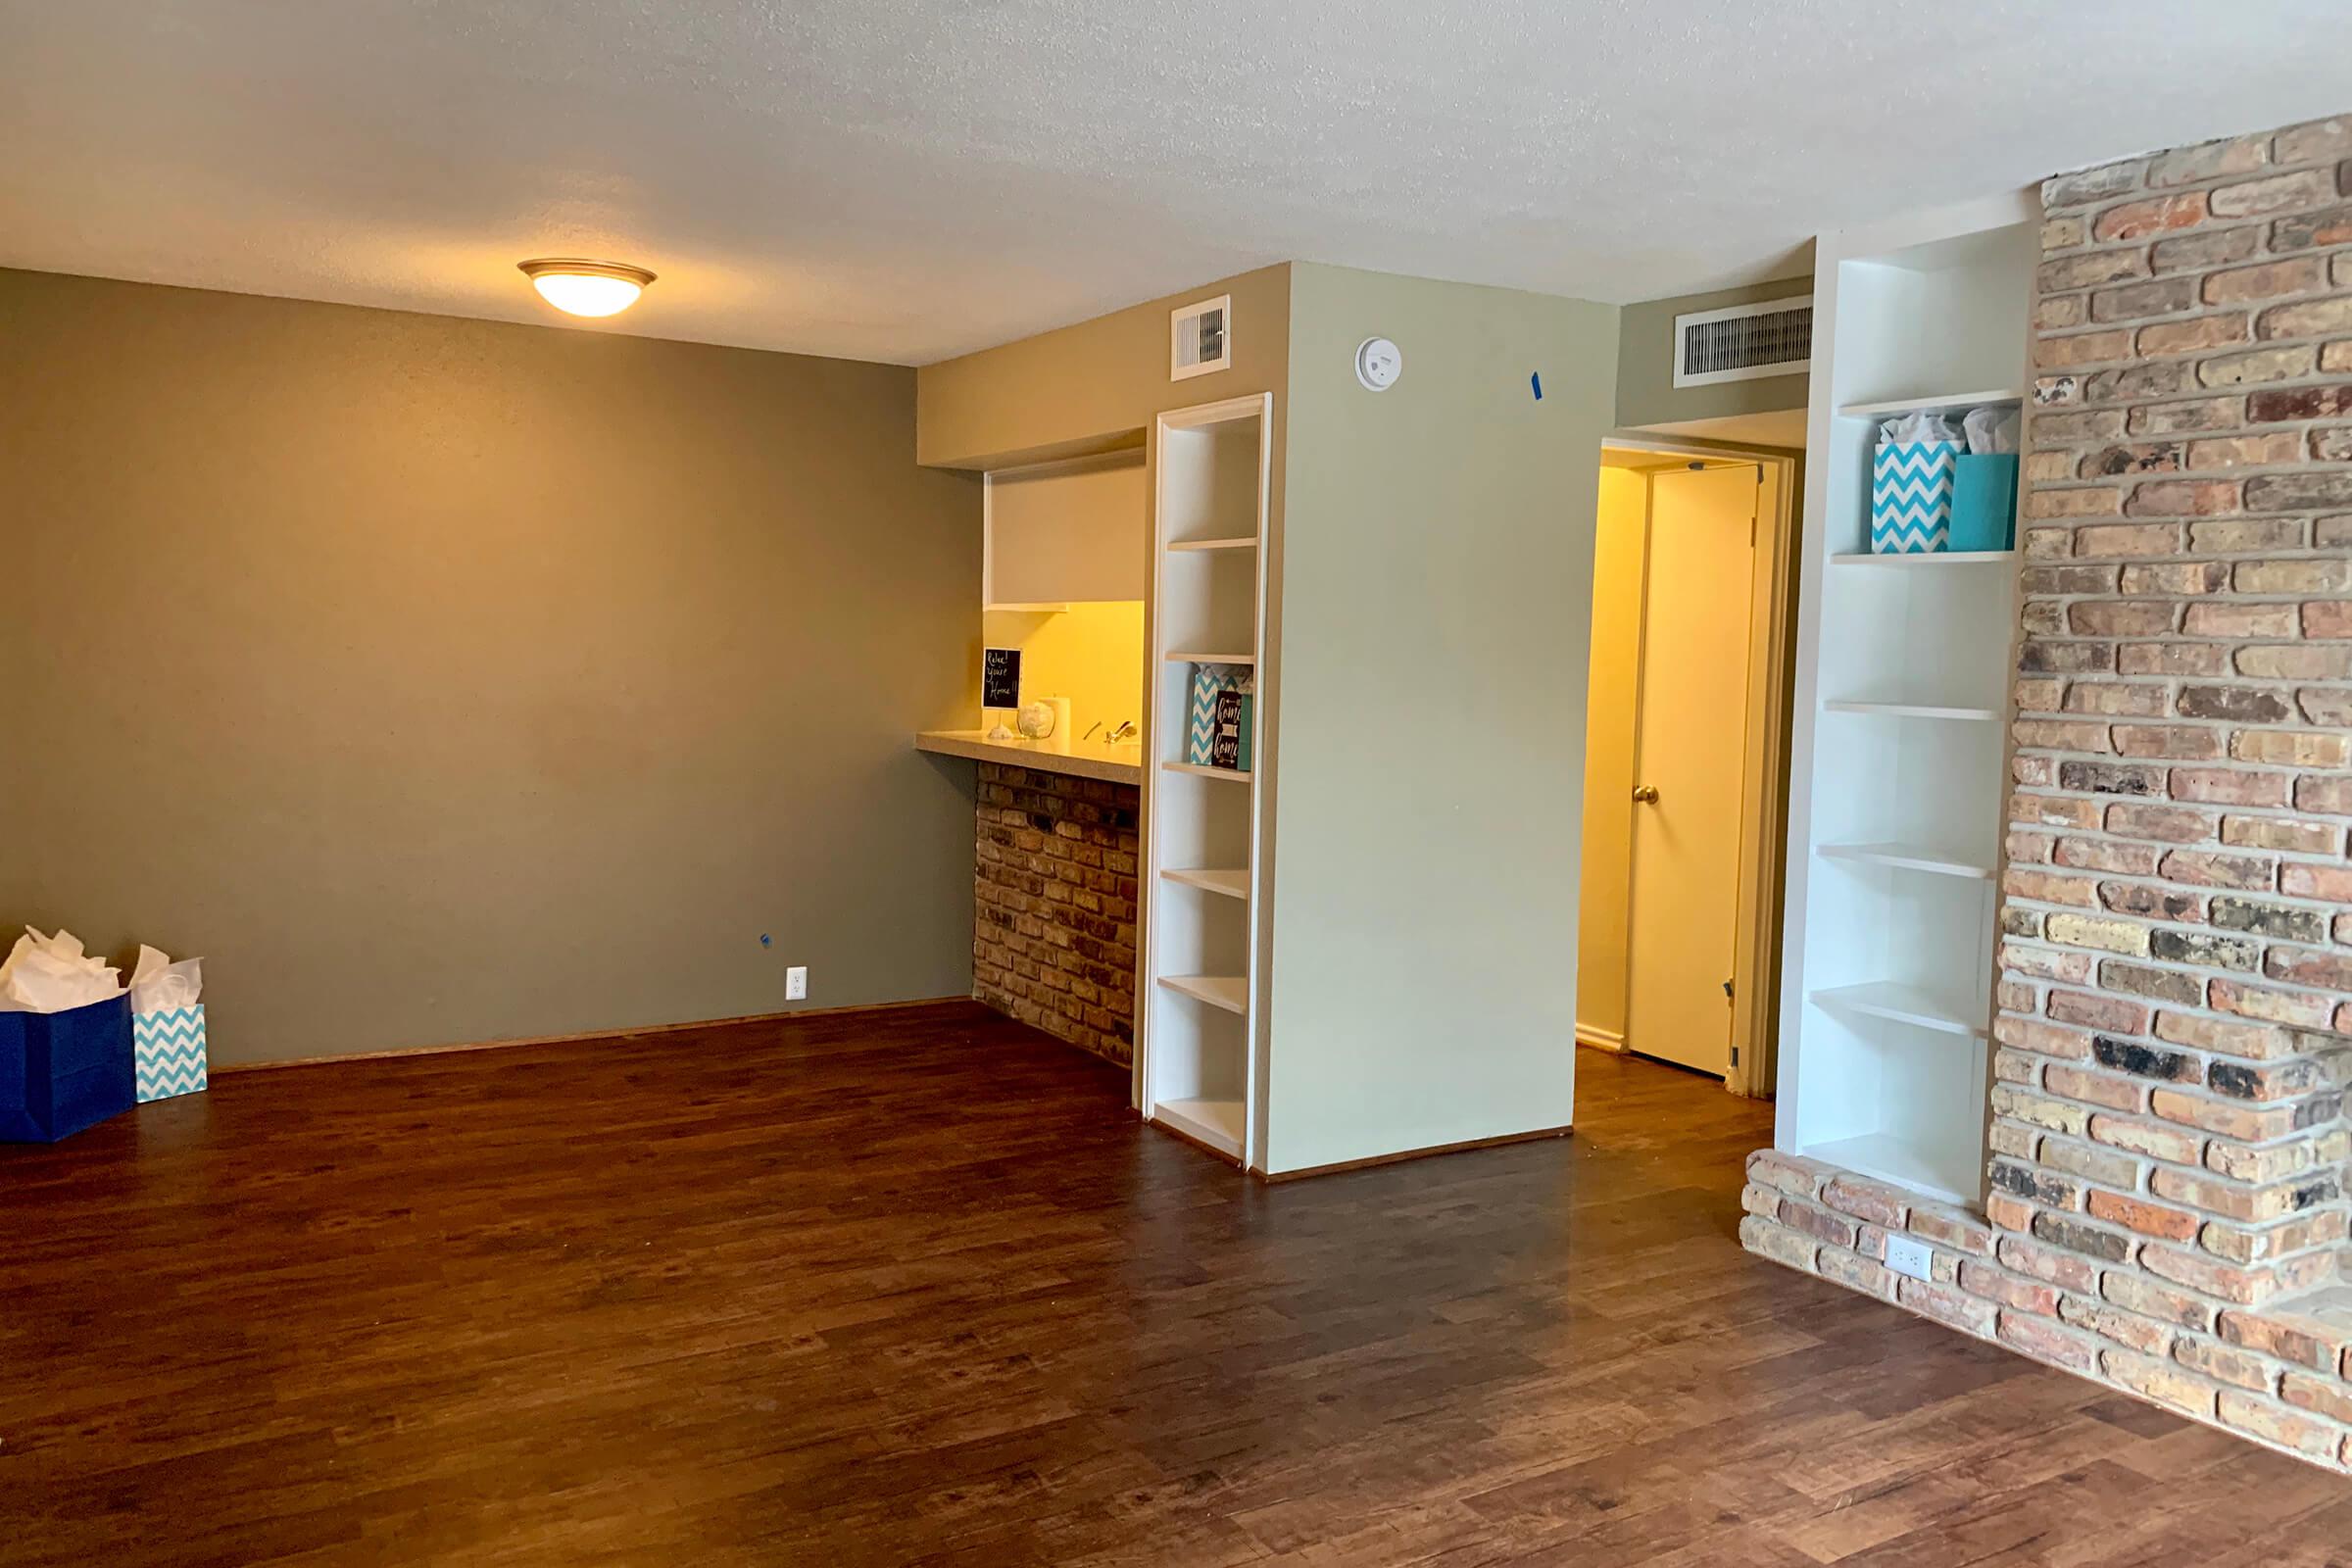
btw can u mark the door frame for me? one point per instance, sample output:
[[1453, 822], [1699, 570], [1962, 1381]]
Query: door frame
[[1764, 770]]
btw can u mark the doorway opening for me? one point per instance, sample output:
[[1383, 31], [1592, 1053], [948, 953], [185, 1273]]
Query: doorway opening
[[1685, 758]]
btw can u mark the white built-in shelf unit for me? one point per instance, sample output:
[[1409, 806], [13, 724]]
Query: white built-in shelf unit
[[1899, 761], [1200, 1035]]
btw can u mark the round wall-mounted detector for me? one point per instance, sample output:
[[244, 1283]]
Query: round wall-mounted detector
[[1378, 363]]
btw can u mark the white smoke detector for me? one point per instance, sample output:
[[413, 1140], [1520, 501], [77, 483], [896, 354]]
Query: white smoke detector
[[1378, 363]]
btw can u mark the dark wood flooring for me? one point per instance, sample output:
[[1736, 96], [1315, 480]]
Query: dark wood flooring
[[903, 1289]]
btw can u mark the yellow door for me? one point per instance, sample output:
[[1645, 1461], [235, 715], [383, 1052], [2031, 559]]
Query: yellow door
[[1688, 752]]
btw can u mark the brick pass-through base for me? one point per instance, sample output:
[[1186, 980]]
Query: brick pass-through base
[[1054, 924]]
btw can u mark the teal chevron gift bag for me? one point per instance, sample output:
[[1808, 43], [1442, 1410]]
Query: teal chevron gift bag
[[1911, 497], [171, 1051]]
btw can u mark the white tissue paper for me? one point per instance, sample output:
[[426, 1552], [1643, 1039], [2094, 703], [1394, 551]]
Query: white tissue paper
[[1991, 431], [1921, 426], [158, 985], [51, 974]]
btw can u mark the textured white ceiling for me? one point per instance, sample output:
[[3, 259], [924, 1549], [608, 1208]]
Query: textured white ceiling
[[906, 179]]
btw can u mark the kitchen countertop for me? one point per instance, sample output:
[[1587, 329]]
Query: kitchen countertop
[[1120, 765]]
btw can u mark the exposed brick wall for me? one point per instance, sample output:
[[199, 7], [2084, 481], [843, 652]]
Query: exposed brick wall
[[2167, 1199], [1054, 931]]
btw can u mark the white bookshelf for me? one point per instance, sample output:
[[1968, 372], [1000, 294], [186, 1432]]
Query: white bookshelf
[[1199, 1033], [1899, 763]]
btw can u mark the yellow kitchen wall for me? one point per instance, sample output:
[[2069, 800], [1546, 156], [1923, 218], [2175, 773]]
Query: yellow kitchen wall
[[1600, 963], [1092, 654]]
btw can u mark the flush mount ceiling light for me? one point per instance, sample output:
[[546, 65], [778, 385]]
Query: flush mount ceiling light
[[587, 289]]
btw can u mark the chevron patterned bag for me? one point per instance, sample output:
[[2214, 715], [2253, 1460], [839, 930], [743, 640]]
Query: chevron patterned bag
[[170, 1046], [1911, 497]]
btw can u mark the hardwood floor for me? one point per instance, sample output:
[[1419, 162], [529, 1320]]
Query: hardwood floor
[[913, 1289]]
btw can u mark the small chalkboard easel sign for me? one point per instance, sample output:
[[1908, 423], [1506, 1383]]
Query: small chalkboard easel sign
[[1000, 677], [999, 681]]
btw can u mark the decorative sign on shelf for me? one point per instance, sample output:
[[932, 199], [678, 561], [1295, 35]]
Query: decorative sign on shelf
[[1221, 720], [1229, 745], [1000, 677]]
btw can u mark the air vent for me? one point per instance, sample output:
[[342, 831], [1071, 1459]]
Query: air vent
[[1775, 339], [1201, 338]]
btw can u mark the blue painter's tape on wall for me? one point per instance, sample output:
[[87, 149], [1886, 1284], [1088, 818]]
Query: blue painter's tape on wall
[[1535, 378]]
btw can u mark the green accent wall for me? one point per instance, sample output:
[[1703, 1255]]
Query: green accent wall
[[445, 681], [1436, 591]]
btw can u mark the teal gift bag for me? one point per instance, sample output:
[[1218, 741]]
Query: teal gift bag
[[171, 1047], [1911, 497], [1984, 502]]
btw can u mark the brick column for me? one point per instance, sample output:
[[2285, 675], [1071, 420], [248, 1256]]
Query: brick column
[[2168, 1071], [2167, 1183]]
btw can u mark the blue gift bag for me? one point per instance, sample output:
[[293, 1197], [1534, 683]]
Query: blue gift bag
[[1984, 502], [1911, 497], [62, 1071]]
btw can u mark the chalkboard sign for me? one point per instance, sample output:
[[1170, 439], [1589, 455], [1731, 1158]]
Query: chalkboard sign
[[1229, 740], [1000, 677]]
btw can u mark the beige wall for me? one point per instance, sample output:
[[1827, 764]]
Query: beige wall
[[1069, 390], [442, 680], [1645, 391], [1436, 593], [1603, 895]]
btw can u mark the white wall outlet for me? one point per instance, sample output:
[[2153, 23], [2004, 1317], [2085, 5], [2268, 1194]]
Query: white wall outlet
[[1907, 1257], [796, 989]]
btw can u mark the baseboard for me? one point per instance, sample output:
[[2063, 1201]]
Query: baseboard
[[1600, 1039], [585, 1037], [1463, 1147]]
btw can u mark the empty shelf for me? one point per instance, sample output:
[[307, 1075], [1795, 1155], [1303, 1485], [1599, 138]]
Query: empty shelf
[[1178, 657], [1940, 557], [1198, 771], [1884, 999], [1910, 858], [1931, 1172], [1842, 705], [1228, 991], [1233, 884], [1248, 541], [1214, 1122], [1941, 403]]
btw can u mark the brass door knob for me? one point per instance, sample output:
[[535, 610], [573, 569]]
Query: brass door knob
[[1647, 794]]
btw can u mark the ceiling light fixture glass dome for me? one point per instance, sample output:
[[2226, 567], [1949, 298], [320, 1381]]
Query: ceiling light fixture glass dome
[[587, 289]]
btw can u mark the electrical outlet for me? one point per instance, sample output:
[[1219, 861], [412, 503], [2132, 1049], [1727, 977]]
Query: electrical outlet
[[1907, 1257], [796, 989]]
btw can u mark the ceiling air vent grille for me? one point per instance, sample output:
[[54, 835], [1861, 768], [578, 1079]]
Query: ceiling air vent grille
[[1775, 339], [1201, 338]]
